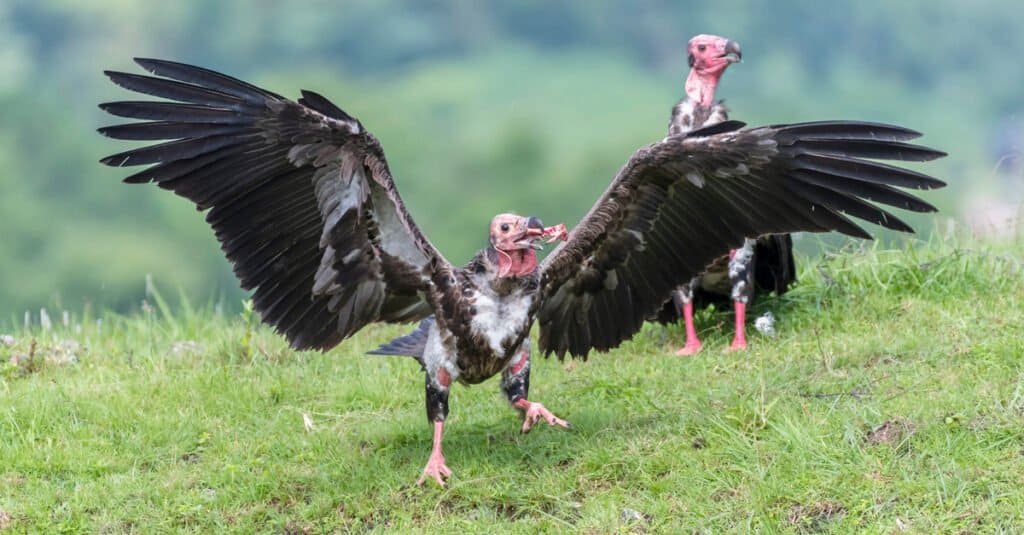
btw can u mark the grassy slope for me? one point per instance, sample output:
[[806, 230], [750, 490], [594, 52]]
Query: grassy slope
[[892, 400]]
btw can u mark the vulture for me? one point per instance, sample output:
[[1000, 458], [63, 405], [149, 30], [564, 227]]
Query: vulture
[[300, 196], [762, 263]]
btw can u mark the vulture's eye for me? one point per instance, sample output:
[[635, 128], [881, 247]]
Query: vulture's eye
[[700, 48], [504, 227]]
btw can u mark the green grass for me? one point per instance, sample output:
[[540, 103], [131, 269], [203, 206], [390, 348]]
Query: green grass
[[892, 400]]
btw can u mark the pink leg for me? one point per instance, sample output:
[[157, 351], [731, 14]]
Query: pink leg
[[436, 469], [533, 412], [740, 341], [693, 344]]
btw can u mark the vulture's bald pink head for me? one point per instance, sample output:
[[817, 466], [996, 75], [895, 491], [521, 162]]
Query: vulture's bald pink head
[[514, 239], [709, 56]]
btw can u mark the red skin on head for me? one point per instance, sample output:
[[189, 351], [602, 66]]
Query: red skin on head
[[512, 237], [513, 259], [709, 56]]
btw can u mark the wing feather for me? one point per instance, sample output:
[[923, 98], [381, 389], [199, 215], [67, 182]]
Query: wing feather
[[677, 204], [298, 194]]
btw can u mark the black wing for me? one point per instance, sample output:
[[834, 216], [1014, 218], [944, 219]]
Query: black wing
[[299, 196], [678, 204]]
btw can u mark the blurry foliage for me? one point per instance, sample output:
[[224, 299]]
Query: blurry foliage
[[482, 107]]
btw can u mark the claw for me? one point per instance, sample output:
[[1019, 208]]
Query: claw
[[691, 348], [533, 412], [737, 345], [436, 469]]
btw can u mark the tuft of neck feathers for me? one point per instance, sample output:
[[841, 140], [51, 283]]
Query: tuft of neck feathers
[[700, 87]]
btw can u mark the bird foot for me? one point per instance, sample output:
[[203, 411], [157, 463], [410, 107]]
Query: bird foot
[[690, 349], [737, 345], [436, 469], [533, 412]]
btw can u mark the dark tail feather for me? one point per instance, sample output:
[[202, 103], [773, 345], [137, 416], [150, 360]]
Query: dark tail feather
[[410, 345], [775, 270]]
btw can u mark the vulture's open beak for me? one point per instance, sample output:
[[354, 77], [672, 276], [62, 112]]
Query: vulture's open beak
[[732, 52], [534, 231]]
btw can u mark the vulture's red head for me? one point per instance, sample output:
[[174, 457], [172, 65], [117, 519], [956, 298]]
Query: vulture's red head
[[709, 56], [515, 240]]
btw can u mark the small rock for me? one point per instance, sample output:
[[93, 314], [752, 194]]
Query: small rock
[[65, 353], [765, 324], [7, 340], [631, 515], [185, 347]]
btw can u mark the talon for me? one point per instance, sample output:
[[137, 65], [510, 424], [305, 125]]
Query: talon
[[436, 469], [690, 349], [737, 345], [534, 412]]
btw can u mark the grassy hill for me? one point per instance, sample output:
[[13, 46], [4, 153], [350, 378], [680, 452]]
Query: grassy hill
[[891, 400]]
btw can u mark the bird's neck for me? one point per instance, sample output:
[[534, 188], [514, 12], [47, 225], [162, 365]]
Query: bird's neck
[[515, 263], [700, 87]]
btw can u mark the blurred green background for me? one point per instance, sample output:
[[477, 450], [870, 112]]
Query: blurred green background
[[515, 105]]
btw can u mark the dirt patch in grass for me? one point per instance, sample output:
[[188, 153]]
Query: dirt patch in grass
[[295, 528], [891, 432], [814, 517]]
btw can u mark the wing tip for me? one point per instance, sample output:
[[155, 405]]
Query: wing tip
[[151, 64]]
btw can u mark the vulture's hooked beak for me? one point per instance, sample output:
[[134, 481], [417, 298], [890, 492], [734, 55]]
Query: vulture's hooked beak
[[534, 231], [733, 54]]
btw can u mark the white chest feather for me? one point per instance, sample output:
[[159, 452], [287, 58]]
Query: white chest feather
[[498, 318]]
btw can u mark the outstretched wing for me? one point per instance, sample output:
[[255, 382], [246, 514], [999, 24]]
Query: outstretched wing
[[299, 196], [676, 205]]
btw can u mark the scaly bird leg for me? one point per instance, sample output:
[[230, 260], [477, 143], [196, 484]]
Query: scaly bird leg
[[515, 382], [437, 410], [683, 298], [739, 342], [741, 275], [693, 344], [436, 469]]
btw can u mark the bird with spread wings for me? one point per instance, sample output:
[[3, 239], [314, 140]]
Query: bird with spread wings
[[301, 199]]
